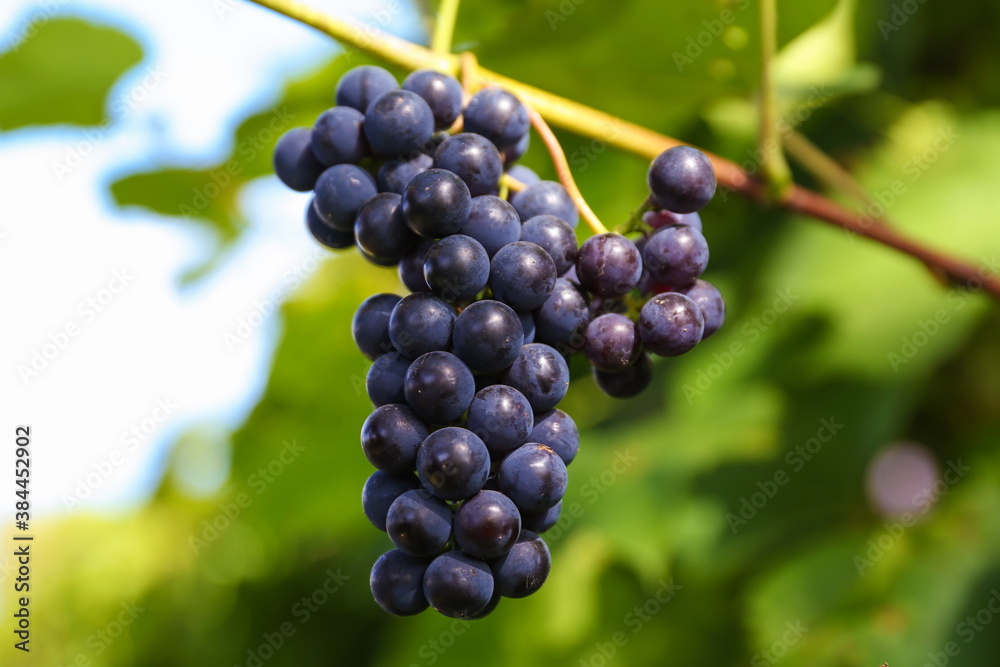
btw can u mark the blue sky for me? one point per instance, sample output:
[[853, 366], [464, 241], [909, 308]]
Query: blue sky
[[105, 356]]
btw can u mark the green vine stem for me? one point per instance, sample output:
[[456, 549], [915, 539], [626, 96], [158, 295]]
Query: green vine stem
[[773, 166], [444, 27], [641, 141]]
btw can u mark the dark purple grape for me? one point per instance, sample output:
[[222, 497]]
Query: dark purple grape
[[295, 164], [332, 238], [612, 343], [439, 387], [453, 463], [385, 379], [528, 326], [397, 583], [710, 302], [474, 159], [522, 275], [370, 326], [556, 237], [534, 477], [501, 416], [457, 268], [562, 319], [490, 606], [664, 218], [497, 115], [338, 136], [398, 123], [458, 585], [609, 265], [682, 179], [391, 436], [539, 522], [442, 92], [512, 154], [360, 86], [627, 383], [381, 490], [523, 174], [394, 175], [524, 568], [670, 324], [488, 336], [546, 198], [558, 431], [419, 524], [421, 323], [541, 374], [487, 525], [380, 229], [493, 222], [436, 203], [411, 267], [676, 255], [341, 190]]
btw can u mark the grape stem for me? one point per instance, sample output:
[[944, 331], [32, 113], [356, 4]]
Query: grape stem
[[641, 141], [561, 165], [444, 27], [773, 166]]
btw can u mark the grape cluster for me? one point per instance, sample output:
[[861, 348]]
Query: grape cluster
[[467, 369]]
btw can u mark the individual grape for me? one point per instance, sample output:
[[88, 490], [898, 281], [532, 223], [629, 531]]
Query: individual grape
[[523, 174], [474, 159], [557, 430], [682, 179], [335, 239], [665, 218], [394, 175], [381, 490], [338, 136], [487, 525], [627, 383], [340, 192], [709, 301], [539, 522], [442, 92], [493, 222], [458, 585], [523, 569], [490, 606], [497, 115], [541, 374], [556, 237], [457, 268], [670, 324], [501, 416], [398, 123], [421, 323], [295, 164], [612, 343], [534, 477], [563, 317], [411, 267], [439, 387], [528, 326], [436, 203], [381, 230], [453, 463], [360, 86], [513, 153], [391, 436], [419, 524], [676, 255], [370, 326], [397, 583], [602, 306], [488, 336], [609, 265], [385, 379], [546, 198], [522, 275]]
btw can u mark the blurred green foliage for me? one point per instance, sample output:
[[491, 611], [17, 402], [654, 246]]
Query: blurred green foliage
[[815, 317]]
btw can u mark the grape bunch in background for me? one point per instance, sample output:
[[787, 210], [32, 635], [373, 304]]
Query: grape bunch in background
[[467, 369]]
